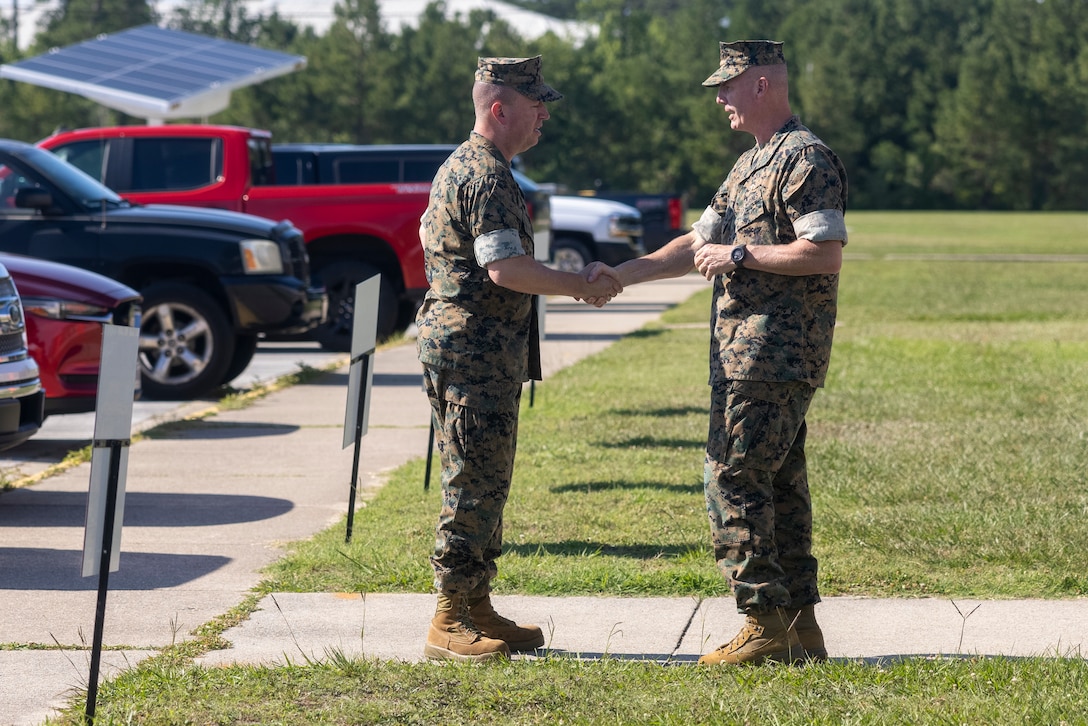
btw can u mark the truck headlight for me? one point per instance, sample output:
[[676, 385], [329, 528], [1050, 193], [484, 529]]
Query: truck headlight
[[11, 318], [624, 225], [57, 309], [261, 257]]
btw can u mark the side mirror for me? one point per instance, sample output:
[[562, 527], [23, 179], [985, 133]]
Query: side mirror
[[32, 198]]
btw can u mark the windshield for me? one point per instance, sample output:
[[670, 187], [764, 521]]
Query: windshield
[[40, 168]]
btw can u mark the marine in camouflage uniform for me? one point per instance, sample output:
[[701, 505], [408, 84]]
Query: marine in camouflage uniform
[[771, 241], [770, 349], [478, 344]]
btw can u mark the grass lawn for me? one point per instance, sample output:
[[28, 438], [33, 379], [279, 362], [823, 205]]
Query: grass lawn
[[947, 456], [947, 449]]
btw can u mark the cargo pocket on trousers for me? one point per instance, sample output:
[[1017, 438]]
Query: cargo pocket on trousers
[[758, 421]]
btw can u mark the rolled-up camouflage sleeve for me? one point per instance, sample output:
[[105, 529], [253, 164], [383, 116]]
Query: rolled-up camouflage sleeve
[[501, 244], [709, 227], [815, 194], [497, 220], [826, 224]]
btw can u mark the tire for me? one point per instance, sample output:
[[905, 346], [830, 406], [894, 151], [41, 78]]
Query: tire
[[569, 255], [245, 347], [186, 342], [340, 278]]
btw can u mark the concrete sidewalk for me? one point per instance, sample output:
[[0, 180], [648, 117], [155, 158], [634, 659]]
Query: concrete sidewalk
[[292, 627], [208, 506]]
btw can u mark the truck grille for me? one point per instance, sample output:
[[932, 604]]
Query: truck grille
[[11, 344], [293, 246]]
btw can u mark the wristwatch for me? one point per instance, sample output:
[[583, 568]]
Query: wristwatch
[[738, 255]]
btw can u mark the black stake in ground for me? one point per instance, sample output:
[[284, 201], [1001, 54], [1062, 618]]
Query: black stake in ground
[[106, 553]]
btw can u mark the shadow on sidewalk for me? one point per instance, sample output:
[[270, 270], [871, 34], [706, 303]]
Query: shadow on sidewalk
[[34, 568], [213, 429], [43, 508]]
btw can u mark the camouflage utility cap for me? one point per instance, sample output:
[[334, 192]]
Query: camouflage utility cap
[[740, 55], [521, 74]]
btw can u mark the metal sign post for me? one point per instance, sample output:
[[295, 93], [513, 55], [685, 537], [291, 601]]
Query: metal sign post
[[541, 312], [430, 449], [109, 463], [364, 340]]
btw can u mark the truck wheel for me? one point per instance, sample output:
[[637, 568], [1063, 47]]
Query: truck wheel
[[340, 278], [245, 347], [569, 255], [186, 343]]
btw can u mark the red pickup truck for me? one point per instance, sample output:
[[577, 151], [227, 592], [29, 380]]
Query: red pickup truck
[[352, 231]]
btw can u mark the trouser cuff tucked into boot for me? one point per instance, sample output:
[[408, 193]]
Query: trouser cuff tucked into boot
[[493, 625], [454, 636]]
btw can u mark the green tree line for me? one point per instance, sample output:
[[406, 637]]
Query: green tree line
[[932, 104]]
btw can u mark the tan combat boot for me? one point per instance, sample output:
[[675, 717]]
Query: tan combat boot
[[764, 637], [493, 625], [808, 633], [453, 636]]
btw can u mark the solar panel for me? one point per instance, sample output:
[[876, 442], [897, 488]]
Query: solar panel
[[154, 72]]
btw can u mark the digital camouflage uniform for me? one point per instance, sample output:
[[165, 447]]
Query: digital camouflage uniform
[[770, 348], [474, 342]]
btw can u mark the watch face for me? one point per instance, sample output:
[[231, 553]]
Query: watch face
[[738, 255]]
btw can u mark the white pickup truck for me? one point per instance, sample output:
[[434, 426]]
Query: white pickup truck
[[585, 229]]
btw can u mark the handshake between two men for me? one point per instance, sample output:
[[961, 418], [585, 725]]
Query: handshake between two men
[[676, 258], [602, 284]]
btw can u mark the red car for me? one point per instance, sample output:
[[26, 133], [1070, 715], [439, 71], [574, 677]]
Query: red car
[[65, 309]]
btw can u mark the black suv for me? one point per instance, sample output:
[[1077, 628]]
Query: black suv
[[211, 280]]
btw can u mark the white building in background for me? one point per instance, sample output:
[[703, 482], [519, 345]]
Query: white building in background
[[318, 14]]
